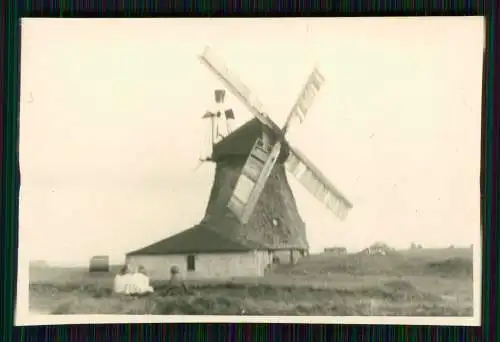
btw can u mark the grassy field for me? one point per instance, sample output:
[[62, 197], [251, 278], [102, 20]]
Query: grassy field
[[409, 283]]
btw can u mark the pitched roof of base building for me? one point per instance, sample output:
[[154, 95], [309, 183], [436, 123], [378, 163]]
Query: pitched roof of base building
[[198, 239]]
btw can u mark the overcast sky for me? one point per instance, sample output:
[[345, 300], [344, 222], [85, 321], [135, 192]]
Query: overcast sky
[[111, 126]]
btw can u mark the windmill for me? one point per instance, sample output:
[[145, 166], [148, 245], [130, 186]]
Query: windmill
[[272, 148], [251, 218]]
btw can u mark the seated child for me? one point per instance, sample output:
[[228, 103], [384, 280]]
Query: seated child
[[175, 282]]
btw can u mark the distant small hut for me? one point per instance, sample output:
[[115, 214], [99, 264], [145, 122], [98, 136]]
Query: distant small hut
[[378, 248], [99, 263], [336, 250]]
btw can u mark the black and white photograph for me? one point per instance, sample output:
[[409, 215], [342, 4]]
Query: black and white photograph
[[301, 170]]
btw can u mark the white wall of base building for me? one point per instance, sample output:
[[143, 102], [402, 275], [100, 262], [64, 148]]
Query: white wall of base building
[[211, 265]]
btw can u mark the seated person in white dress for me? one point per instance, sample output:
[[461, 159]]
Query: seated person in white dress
[[142, 281], [124, 281], [132, 281], [131, 285], [119, 281]]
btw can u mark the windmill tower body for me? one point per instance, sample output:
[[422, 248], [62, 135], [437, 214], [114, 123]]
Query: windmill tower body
[[275, 224]]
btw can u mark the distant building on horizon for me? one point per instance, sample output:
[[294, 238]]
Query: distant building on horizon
[[335, 250], [99, 263], [378, 248]]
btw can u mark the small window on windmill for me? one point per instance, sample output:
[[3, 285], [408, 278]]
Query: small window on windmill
[[190, 263], [275, 222]]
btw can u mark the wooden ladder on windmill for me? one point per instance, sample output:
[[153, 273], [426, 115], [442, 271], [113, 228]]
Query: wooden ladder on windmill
[[250, 184]]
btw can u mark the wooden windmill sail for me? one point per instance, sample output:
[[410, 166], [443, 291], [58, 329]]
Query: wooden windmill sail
[[265, 152]]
